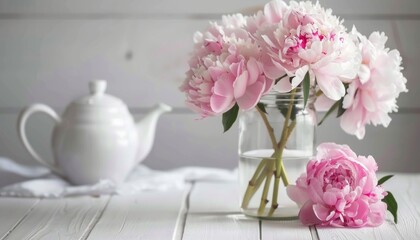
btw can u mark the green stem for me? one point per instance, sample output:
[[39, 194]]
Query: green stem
[[269, 175], [254, 183], [265, 170], [274, 203], [290, 129], [251, 189], [280, 170], [270, 129], [285, 133], [284, 175]]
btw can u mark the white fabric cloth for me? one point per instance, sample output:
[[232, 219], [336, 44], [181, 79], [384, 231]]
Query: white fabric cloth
[[22, 181]]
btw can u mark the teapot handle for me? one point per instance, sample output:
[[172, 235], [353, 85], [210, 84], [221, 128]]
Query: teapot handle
[[23, 117]]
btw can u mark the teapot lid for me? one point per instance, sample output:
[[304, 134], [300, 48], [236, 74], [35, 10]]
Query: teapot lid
[[98, 108], [98, 97]]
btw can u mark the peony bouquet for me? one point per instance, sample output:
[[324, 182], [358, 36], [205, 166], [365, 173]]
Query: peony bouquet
[[283, 48]]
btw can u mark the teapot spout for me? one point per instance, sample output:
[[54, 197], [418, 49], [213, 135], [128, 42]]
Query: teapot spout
[[146, 129]]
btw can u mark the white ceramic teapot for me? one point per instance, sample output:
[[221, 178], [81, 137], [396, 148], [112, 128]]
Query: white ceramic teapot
[[96, 138]]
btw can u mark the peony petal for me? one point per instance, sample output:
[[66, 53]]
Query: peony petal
[[321, 212], [384, 119], [251, 96], [340, 205], [273, 10], [323, 103], [378, 39], [268, 41], [364, 74], [349, 98], [268, 83], [351, 211], [368, 101], [220, 104], [360, 216], [329, 198], [197, 37], [330, 150], [351, 122], [236, 68], [223, 87], [215, 72], [253, 71], [240, 84], [315, 190], [313, 54], [307, 215], [377, 214], [270, 70], [297, 194], [283, 85], [332, 87], [370, 183], [299, 75]]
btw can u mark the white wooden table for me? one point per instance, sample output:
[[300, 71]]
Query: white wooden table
[[204, 210]]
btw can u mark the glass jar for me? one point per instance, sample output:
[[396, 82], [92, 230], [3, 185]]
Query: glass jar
[[276, 141]]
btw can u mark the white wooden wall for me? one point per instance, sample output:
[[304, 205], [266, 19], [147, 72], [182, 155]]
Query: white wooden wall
[[50, 49]]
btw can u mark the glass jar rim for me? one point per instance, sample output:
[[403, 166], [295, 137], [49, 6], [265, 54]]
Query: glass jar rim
[[276, 97]]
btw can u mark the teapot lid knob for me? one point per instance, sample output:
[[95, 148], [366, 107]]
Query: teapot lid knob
[[97, 87]]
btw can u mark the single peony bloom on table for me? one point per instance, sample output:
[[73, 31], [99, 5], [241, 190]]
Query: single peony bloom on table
[[340, 189]]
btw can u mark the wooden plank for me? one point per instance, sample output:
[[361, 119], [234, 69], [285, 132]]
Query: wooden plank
[[407, 38], [52, 61], [372, 7], [221, 226], [215, 197], [410, 72], [12, 212], [66, 218], [183, 212], [214, 214], [284, 230], [386, 232], [407, 193], [411, 57], [126, 7], [148, 215], [394, 148]]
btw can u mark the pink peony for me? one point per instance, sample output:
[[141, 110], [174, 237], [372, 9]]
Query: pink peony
[[307, 39], [272, 14], [214, 39], [339, 189], [373, 93], [225, 69]]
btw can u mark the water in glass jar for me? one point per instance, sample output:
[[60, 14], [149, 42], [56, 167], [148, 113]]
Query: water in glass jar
[[295, 164]]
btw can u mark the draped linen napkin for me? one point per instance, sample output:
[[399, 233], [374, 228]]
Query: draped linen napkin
[[22, 181]]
